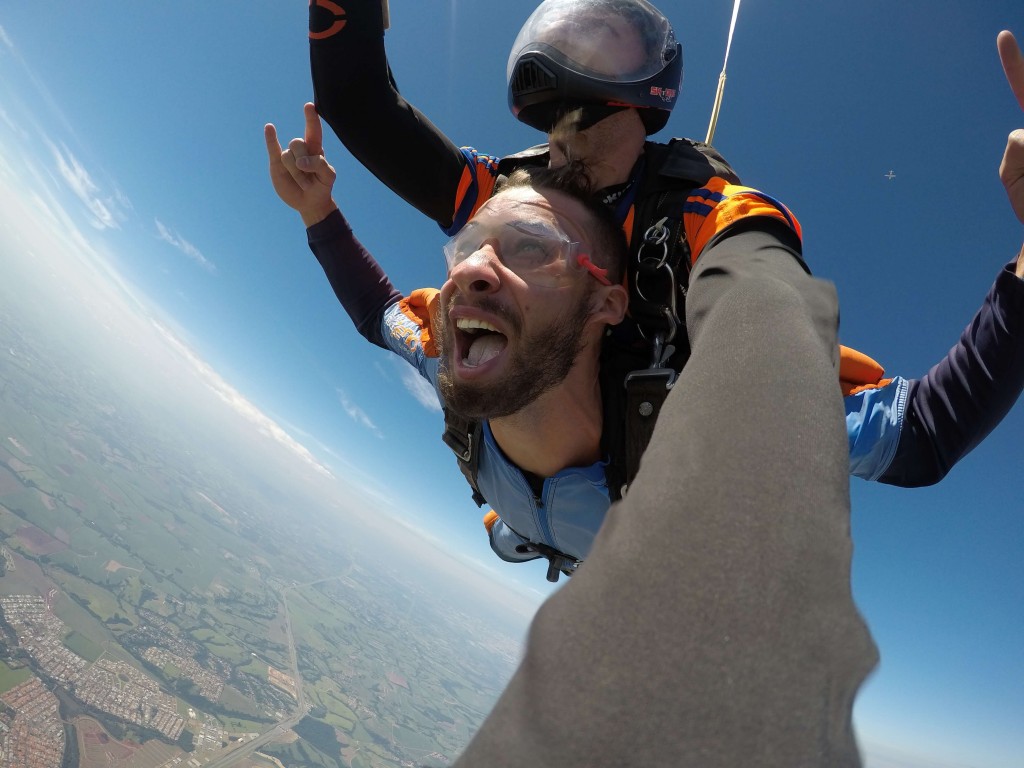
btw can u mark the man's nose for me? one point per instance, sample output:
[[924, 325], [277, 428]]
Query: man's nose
[[479, 272]]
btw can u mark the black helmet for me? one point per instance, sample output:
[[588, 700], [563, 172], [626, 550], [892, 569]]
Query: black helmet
[[603, 54]]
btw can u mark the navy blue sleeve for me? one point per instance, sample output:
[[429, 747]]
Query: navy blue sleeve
[[962, 399], [356, 94], [359, 282]]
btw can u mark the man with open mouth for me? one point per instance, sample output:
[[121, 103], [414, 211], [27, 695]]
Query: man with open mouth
[[750, 525]]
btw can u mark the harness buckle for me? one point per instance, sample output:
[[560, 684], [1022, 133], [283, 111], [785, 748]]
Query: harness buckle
[[558, 562], [463, 450], [645, 375]]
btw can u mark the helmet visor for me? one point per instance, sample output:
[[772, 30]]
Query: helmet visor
[[609, 40]]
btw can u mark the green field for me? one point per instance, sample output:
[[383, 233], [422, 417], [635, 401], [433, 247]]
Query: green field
[[9, 678], [236, 701], [325, 693], [339, 722], [237, 725], [221, 645], [255, 667], [96, 599], [83, 646], [9, 522]]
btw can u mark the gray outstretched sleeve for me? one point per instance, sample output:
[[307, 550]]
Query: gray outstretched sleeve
[[713, 624]]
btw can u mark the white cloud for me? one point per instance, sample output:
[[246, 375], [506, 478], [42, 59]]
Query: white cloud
[[339, 465], [357, 414], [7, 119], [31, 207], [418, 387], [6, 170], [183, 245], [122, 199], [40, 93], [237, 401], [103, 212]]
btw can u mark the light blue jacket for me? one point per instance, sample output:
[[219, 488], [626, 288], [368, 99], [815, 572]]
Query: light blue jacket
[[574, 502]]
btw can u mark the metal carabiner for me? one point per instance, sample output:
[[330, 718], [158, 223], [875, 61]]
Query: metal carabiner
[[656, 234]]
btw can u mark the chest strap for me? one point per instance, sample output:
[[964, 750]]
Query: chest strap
[[558, 562]]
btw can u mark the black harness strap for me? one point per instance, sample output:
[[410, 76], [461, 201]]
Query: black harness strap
[[558, 562], [646, 391], [464, 435], [659, 270]]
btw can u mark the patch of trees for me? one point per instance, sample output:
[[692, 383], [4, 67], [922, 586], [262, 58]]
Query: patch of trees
[[187, 689], [302, 755], [312, 665], [71, 757], [187, 741], [319, 734], [438, 716]]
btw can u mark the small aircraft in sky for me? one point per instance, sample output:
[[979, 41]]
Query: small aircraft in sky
[[890, 175]]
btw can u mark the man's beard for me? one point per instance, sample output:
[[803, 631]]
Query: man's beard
[[540, 362]]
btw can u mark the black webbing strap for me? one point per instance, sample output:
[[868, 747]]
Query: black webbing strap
[[646, 391], [659, 265], [558, 562], [463, 435]]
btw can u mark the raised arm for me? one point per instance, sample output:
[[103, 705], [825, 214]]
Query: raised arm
[[357, 96], [303, 179], [1011, 169], [961, 399]]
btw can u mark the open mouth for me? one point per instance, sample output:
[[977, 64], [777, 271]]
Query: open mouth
[[478, 342]]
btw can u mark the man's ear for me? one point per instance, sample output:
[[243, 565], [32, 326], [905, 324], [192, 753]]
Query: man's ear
[[608, 304]]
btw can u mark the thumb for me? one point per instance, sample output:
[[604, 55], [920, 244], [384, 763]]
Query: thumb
[[1011, 171]]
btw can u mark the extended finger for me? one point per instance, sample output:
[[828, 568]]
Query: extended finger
[[273, 145], [1013, 63], [314, 131]]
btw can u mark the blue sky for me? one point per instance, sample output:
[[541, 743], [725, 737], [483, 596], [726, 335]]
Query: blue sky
[[138, 127]]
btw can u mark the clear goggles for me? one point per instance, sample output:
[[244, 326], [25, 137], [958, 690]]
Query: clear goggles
[[539, 253]]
